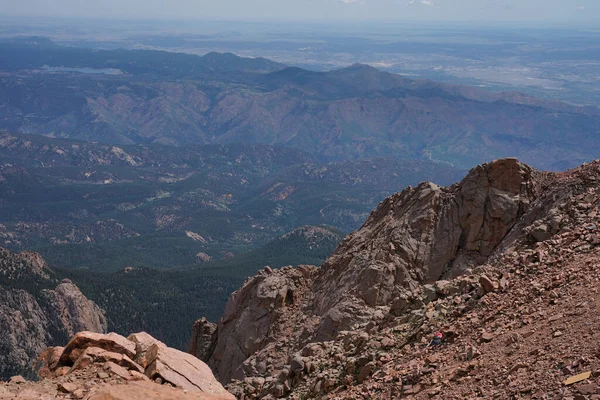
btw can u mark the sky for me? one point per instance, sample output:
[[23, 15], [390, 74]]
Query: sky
[[551, 11]]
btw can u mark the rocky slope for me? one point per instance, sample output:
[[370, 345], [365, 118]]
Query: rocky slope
[[111, 367], [503, 264], [37, 311]]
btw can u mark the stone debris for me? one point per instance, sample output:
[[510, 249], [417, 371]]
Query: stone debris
[[102, 366]]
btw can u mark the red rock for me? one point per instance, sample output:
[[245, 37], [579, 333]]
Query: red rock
[[487, 336], [67, 387], [61, 371], [110, 342], [17, 379], [182, 370], [487, 284], [587, 389], [117, 370]]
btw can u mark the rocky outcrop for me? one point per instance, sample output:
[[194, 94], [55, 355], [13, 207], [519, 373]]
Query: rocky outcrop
[[263, 310], [74, 311], [426, 233], [204, 338], [139, 357], [418, 248], [36, 311]]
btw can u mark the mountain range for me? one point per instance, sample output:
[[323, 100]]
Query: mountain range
[[351, 113]]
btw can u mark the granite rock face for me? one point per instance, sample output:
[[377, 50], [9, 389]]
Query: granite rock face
[[255, 316], [426, 233], [37, 311], [204, 339]]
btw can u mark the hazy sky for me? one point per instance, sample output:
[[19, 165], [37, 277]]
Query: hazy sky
[[562, 11]]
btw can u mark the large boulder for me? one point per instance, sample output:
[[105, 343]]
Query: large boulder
[[182, 370], [111, 342]]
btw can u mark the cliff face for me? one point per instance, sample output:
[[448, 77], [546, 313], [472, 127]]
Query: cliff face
[[36, 311], [419, 246], [425, 234]]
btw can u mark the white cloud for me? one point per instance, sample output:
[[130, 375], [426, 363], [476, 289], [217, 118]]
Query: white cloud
[[351, 1], [581, 8], [428, 2]]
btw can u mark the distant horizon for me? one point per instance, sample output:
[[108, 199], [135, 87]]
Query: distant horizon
[[463, 12], [590, 26]]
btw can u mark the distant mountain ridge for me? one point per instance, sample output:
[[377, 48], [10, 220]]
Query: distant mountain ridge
[[35, 52], [346, 114]]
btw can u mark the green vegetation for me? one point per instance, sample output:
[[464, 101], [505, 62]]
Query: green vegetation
[[166, 303], [86, 206]]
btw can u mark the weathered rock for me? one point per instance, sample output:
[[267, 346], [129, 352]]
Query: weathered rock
[[366, 371], [143, 343], [249, 315], [487, 284], [182, 370], [74, 311], [541, 232], [436, 232], [67, 387], [117, 370], [98, 355], [111, 342], [17, 379], [107, 357], [48, 361], [204, 339], [137, 376], [297, 364], [414, 238]]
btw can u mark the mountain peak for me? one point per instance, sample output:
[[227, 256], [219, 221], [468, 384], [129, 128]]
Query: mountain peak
[[360, 67]]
